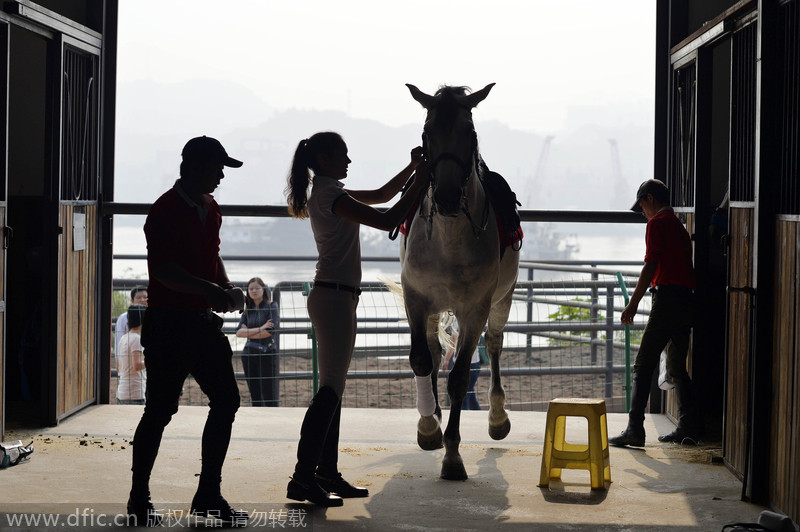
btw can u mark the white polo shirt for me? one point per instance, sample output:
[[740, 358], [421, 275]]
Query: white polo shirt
[[337, 238]]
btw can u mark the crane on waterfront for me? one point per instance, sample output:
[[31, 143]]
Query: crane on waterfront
[[621, 188], [538, 177]]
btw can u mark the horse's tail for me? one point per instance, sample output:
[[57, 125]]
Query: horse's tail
[[445, 323], [445, 331], [393, 286]]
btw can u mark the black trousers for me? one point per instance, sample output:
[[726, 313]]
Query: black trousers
[[261, 372], [178, 344], [669, 325]]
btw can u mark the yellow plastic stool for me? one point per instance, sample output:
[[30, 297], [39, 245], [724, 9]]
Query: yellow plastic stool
[[558, 454]]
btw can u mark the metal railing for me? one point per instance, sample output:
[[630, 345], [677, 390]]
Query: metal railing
[[582, 289], [594, 289]]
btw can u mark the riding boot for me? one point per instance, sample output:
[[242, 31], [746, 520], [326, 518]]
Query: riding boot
[[688, 429], [634, 434], [687, 414], [328, 475], [329, 458], [209, 502], [640, 394], [146, 442], [313, 435]]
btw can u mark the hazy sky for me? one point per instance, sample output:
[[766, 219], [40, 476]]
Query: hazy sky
[[356, 55]]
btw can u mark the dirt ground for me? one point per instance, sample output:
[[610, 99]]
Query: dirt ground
[[523, 392]]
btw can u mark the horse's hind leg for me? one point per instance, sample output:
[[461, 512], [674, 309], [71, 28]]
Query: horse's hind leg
[[499, 424]]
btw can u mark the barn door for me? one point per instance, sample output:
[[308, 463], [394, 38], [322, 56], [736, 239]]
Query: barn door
[[742, 243], [784, 485], [4, 230], [681, 176], [78, 220], [78, 217]]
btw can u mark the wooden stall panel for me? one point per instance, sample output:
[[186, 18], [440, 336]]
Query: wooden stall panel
[[76, 340], [741, 275], [2, 323], [784, 440]]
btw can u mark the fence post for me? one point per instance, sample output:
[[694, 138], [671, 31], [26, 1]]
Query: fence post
[[529, 336], [313, 336], [593, 314], [625, 297], [609, 341]]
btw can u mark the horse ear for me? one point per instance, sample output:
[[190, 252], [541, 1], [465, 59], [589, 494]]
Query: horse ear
[[472, 100], [424, 100]]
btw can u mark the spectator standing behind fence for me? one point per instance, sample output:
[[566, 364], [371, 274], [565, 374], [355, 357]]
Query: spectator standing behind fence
[[471, 399], [336, 214], [260, 353], [669, 274], [181, 335], [132, 377], [138, 297]]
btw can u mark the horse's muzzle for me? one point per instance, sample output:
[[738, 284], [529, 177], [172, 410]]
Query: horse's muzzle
[[447, 204]]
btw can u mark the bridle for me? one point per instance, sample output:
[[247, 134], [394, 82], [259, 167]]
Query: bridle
[[467, 168]]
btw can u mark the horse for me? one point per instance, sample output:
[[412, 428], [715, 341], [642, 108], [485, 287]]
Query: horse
[[451, 261]]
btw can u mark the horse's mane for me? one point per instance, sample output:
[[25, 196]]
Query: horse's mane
[[453, 90], [447, 107]]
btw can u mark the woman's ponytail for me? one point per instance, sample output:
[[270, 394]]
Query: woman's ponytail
[[305, 157], [297, 183]]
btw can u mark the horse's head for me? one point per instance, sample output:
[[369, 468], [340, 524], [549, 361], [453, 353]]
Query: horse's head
[[450, 141]]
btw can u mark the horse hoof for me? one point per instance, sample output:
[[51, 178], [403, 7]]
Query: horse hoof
[[429, 433], [430, 442], [453, 471], [498, 432]]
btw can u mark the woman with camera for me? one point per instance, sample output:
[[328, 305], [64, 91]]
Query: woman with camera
[[260, 354]]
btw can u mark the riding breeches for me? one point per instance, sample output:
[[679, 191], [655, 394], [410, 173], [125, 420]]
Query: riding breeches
[[333, 315]]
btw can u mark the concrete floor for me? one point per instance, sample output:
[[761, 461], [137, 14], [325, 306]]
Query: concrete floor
[[85, 463]]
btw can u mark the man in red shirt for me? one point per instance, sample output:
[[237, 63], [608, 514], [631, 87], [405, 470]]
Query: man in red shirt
[[669, 274], [181, 335]]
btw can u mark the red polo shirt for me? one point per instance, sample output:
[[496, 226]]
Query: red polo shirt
[[175, 233], [670, 247]]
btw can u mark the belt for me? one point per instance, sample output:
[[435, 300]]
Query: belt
[[338, 286], [670, 288]]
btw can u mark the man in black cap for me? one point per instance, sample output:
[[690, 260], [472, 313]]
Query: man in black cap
[[181, 335], [669, 274]]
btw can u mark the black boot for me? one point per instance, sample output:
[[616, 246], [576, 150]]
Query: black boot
[[313, 433], [208, 502], [630, 437], [146, 442], [141, 511], [328, 476], [634, 434], [688, 430]]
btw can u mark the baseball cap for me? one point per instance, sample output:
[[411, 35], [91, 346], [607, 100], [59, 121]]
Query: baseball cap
[[206, 149], [652, 186]]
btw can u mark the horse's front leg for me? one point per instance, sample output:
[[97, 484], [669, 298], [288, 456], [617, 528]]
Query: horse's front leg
[[457, 384], [429, 430]]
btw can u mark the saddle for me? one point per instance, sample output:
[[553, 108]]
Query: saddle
[[504, 201]]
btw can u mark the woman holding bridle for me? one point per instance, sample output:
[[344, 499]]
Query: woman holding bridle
[[336, 214]]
